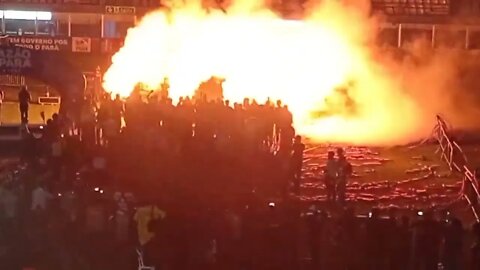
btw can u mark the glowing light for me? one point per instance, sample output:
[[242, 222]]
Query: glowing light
[[27, 15], [263, 56]]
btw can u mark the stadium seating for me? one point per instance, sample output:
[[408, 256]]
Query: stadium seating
[[412, 7]]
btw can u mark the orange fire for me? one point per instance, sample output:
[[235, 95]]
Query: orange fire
[[262, 56]]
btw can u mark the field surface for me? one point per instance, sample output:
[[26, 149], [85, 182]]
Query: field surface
[[403, 177]]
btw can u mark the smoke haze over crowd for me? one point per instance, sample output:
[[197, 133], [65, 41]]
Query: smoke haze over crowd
[[303, 63]]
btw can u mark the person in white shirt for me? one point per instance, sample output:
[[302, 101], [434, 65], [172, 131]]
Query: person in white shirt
[[40, 198]]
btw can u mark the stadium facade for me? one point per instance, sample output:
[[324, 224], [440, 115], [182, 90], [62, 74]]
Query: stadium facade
[[81, 29], [444, 23], [97, 27], [87, 32]]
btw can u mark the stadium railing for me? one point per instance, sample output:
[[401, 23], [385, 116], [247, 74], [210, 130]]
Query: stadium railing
[[456, 159], [419, 7]]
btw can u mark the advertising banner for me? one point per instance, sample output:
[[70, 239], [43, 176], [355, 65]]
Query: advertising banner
[[15, 60], [41, 43], [81, 44]]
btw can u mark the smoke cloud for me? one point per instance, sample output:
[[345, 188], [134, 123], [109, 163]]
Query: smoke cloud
[[340, 85]]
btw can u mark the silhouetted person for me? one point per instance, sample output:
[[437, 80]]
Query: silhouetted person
[[117, 111], [475, 249], [344, 172], [29, 145], [315, 223], [453, 244], [348, 244], [87, 124], [374, 247], [402, 241], [330, 174], [427, 236], [24, 99], [297, 161]]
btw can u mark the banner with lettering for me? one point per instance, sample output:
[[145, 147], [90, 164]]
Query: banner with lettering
[[41, 43], [81, 44], [15, 60]]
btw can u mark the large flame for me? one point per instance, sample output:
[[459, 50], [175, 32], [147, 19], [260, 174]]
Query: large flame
[[263, 56]]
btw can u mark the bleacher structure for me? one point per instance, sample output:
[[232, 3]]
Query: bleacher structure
[[412, 7]]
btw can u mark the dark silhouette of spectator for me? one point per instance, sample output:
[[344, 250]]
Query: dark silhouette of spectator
[[29, 153], [212, 158], [24, 99], [344, 172], [330, 176], [87, 124], [374, 241], [348, 240], [315, 223], [117, 111], [297, 161], [147, 218], [427, 236], [402, 242], [453, 244], [475, 249]]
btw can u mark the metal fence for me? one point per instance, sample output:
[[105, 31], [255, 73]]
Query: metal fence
[[452, 153]]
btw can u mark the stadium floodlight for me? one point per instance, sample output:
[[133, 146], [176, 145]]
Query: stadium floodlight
[[44, 15], [27, 15]]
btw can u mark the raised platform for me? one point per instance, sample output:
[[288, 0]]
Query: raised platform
[[10, 124], [10, 114]]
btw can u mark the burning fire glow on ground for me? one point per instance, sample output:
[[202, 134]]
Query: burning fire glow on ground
[[315, 65]]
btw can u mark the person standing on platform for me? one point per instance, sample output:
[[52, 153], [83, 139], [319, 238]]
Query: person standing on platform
[[24, 99]]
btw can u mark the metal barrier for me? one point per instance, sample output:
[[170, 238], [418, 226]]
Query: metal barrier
[[49, 100], [456, 159]]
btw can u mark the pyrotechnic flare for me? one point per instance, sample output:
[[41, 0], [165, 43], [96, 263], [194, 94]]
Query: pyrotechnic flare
[[261, 55]]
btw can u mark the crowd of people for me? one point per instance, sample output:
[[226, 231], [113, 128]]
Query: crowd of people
[[199, 185]]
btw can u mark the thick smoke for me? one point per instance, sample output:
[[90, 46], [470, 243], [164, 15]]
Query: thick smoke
[[441, 80], [342, 86]]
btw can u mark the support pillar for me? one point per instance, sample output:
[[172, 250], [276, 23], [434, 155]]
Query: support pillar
[[467, 38], [434, 33], [69, 25], [399, 37], [102, 30]]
